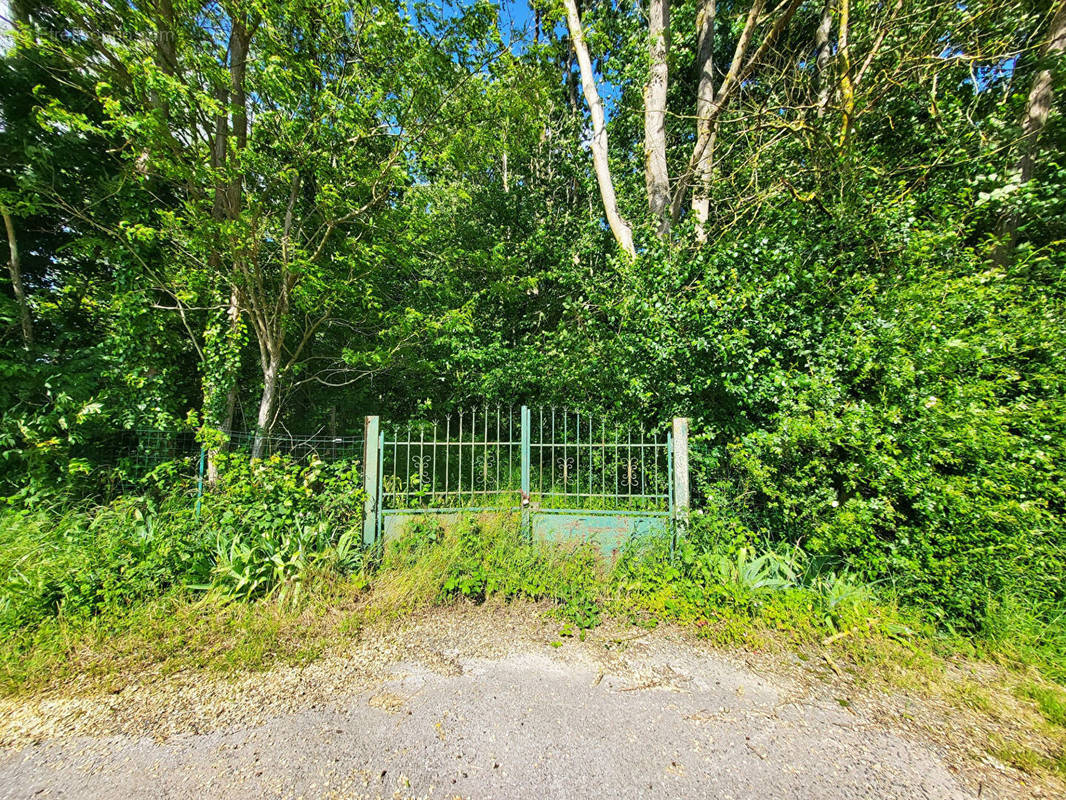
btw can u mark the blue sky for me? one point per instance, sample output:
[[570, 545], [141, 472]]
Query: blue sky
[[517, 25]]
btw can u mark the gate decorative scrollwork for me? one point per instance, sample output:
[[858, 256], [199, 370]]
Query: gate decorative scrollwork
[[566, 466], [630, 477], [420, 466]]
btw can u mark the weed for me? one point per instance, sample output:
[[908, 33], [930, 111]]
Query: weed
[[1029, 759], [970, 695], [1050, 700]]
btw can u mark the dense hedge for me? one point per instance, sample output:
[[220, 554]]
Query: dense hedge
[[922, 440]]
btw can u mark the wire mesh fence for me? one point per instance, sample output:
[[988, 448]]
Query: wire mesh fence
[[153, 448], [299, 446], [130, 456]]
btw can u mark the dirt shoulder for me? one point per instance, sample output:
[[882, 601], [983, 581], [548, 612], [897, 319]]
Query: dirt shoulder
[[492, 702]]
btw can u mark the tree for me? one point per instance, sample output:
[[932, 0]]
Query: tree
[[1037, 108], [621, 229], [277, 148], [701, 196], [14, 263], [14, 267], [656, 171], [740, 68]]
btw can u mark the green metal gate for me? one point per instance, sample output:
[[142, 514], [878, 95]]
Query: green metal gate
[[570, 475]]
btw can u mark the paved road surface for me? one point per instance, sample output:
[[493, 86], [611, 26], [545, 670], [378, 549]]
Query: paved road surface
[[665, 720]]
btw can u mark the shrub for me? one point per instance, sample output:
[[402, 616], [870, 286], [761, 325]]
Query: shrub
[[925, 445], [273, 520], [268, 525]]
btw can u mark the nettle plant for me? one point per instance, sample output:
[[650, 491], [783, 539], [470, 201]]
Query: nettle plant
[[276, 519]]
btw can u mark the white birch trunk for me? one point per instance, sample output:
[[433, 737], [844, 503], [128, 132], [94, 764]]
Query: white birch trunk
[[656, 171], [701, 196], [14, 268], [623, 234]]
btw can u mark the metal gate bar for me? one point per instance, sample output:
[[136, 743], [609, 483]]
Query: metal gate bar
[[582, 470]]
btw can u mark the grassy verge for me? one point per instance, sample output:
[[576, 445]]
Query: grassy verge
[[736, 598]]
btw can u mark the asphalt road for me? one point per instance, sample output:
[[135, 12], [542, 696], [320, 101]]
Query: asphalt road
[[668, 721]]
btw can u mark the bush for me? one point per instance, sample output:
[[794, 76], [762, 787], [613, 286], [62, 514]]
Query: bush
[[926, 447], [702, 581], [274, 520], [268, 525]]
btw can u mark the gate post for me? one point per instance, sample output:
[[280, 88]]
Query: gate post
[[371, 427], [681, 492], [525, 425]]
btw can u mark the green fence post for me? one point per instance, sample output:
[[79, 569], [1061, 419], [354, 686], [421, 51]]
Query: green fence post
[[526, 436], [381, 484], [371, 479], [200, 482], [671, 519]]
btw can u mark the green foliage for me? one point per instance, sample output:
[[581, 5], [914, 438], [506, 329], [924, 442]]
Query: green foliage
[[488, 557], [274, 520], [412, 224], [1022, 632], [1049, 699], [703, 582], [77, 563], [271, 524], [925, 446], [478, 558]]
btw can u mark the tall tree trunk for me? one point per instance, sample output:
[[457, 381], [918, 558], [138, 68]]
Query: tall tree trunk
[[268, 320], [1037, 109], [847, 89], [267, 403], [14, 267], [210, 387], [623, 234], [240, 38], [739, 70], [219, 147], [718, 100], [229, 125], [231, 367], [656, 175], [821, 59], [701, 196]]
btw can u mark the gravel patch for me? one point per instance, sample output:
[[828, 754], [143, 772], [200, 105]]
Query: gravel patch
[[477, 703]]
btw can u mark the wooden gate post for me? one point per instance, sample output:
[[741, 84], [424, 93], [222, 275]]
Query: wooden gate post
[[371, 428], [681, 493]]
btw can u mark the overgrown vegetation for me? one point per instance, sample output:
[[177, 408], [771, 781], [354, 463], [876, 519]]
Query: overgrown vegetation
[[100, 596], [89, 569], [268, 526], [833, 240]]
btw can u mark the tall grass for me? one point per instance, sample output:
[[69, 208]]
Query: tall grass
[[80, 560], [1023, 633], [487, 556], [81, 574]]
